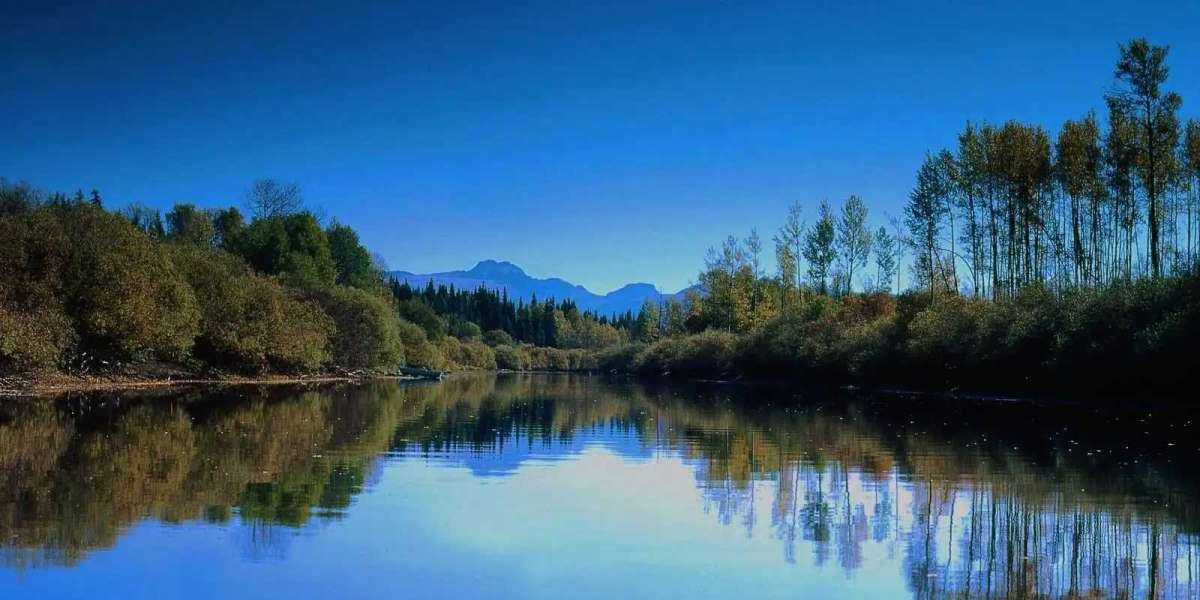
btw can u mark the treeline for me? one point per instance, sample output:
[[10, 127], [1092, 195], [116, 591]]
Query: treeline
[[540, 323], [1037, 263], [85, 290]]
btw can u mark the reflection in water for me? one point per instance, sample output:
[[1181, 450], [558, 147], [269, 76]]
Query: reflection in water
[[961, 499]]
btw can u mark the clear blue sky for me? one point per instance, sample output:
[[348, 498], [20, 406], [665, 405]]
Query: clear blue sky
[[603, 142]]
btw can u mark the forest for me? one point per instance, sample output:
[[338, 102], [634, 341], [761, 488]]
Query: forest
[[1037, 262]]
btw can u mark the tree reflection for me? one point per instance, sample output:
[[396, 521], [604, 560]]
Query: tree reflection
[[972, 501]]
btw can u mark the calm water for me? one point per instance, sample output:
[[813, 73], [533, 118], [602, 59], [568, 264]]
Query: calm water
[[579, 487]]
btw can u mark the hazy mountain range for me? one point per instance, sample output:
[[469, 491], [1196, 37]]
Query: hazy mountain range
[[503, 275]]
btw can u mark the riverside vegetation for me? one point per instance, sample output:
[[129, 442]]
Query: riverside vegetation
[[1036, 264], [84, 290]]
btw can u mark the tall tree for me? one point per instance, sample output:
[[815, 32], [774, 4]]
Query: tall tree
[[819, 249], [1141, 71], [1120, 161], [923, 215], [853, 237], [971, 188], [885, 259], [1079, 170], [792, 236], [1191, 162]]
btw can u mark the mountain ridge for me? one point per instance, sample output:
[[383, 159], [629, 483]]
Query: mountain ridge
[[502, 275]]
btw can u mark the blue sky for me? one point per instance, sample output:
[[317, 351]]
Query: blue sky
[[602, 142]]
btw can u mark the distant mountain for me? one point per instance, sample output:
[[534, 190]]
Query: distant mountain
[[503, 275]]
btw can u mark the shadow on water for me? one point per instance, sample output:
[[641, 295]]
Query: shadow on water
[[967, 499]]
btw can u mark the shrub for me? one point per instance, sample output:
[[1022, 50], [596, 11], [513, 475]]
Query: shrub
[[465, 330], [249, 322], [498, 337], [509, 358], [418, 351], [35, 333], [121, 287], [707, 354], [366, 329]]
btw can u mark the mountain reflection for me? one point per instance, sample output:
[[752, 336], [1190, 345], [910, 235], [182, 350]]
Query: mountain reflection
[[967, 499]]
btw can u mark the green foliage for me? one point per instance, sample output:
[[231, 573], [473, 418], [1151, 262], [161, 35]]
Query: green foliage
[[466, 354], [189, 225], [418, 350], [35, 332], [707, 355], [367, 332], [249, 322], [292, 246], [509, 358], [122, 289], [819, 249], [465, 330], [351, 259], [498, 337], [415, 311]]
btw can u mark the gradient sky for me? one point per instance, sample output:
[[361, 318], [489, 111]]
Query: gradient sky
[[601, 142]]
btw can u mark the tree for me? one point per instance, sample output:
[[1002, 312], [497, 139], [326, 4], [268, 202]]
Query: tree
[[190, 225], [1079, 167], [1142, 70], [294, 246], [971, 183], [649, 325], [1191, 162], [853, 237], [1120, 161], [228, 226], [885, 258], [148, 219], [819, 248], [17, 197], [923, 216], [792, 236], [352, 260], [268, 198]]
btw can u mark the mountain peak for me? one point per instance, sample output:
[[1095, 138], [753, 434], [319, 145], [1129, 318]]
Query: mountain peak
[[492, 269], [635, 288]]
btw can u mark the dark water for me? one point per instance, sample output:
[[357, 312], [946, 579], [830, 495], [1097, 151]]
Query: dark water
[[577, 487]]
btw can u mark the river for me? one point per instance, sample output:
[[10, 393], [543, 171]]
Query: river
[[574, 486]]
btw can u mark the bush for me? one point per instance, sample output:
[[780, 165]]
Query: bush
[[509, 358], [366, 329], [415, 311], [498, 337], [418, 351], [124, 292], [465, 330], [708, 354], [35, 333], [249, 322]]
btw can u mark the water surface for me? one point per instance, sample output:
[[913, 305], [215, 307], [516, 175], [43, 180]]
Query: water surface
[[545, 486]]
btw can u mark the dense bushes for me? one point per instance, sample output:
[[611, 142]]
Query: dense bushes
[[82, 288], [35, 332], [123, 291], [366, 328], [1127, 337], [466, 353], [249, 322], [80, 277]]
